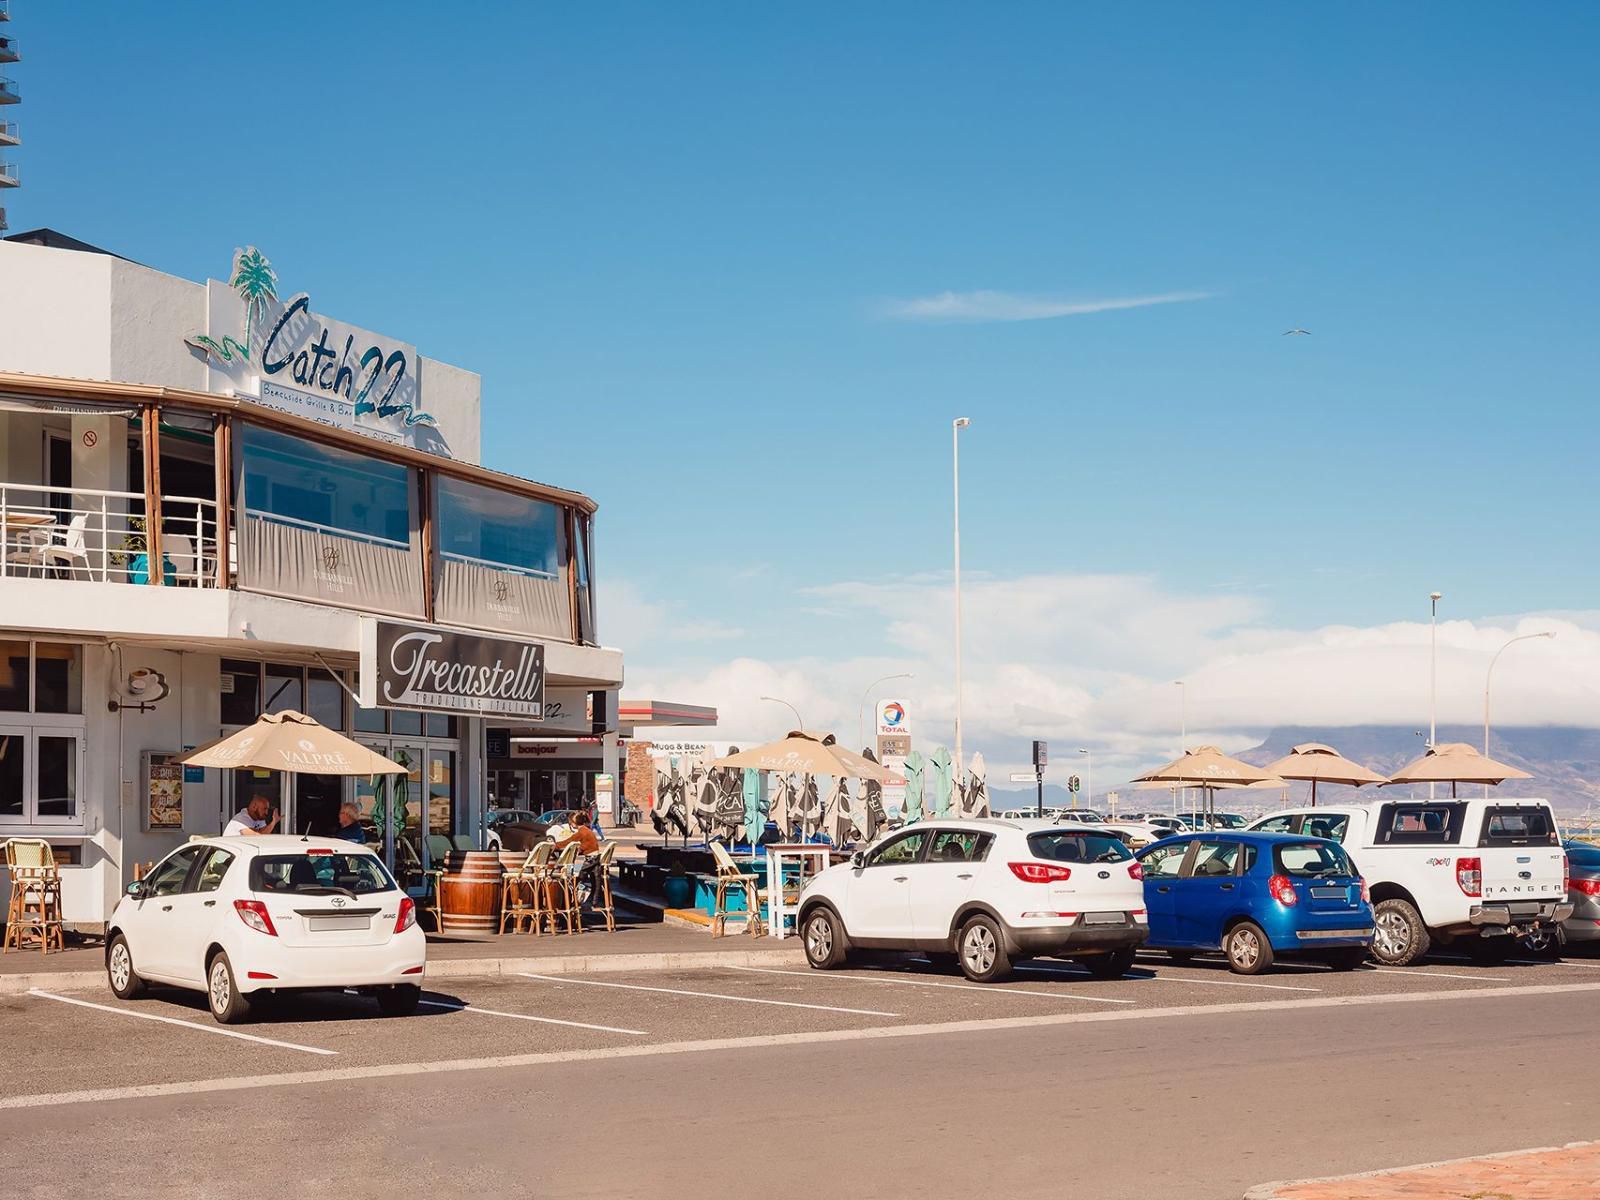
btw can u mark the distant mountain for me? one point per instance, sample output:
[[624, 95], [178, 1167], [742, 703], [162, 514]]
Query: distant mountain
[[1564, 761]]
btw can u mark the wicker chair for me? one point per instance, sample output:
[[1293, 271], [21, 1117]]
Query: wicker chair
[[560, 887], [521, 898], [600, 899], [731, 879], [33, 915]]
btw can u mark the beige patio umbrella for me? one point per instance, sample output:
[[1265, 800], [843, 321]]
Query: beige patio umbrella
[[1208, 768], [1320, 763], [802, 753], [291, 741], [1453, 763]]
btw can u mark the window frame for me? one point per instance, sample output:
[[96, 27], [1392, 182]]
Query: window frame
[[32, 712], [1193, 860], [983, 843], [1492, 811], [1385, 834], [31, 819], [186, 883], [199, 872], [1185, 849]]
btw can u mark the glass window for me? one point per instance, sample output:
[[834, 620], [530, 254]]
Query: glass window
[[167, 879], [408, 723], [1069, 847], [285, 688], [58, 777], [1518, 827], [1164, 862], [582, 562], [215, 868], [303, 483], [13, 776], [441, 792], [1421, 824], [13, 676], [372, 720], [1283, 824], [906, 848], [319, 874], [1215, 858], [241, 692], [1311, 859], [324, 699], [959, 845], [1330, 825], [498, 529], [58, 677], [439, 725]]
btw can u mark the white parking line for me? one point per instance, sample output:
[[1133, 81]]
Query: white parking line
[[639, 987], [1271, 987], [1438, 975], [913, 981], [233, 1033], [490, 1012]]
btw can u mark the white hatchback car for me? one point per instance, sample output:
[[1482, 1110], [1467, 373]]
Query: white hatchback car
[[236, 917], [981, 894]]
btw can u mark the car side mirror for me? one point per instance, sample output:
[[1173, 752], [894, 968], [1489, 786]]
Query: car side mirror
[[858, 860], [136, 889]]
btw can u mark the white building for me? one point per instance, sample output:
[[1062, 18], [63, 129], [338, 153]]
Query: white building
[[310, 492]]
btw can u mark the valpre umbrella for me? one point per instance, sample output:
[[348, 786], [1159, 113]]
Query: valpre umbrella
[[781, 805], [1453, 763], [1206, 767], [940, 781], [810, 807], [1320, 763], [872, 815], [837, 814], [976, 801], [913, 809], [802, 753], [292, 741]]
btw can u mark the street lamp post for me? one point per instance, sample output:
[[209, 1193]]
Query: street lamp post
[[1088, 773], [1489, 679], [800, 721], [1433, 674], [1183, 734], [956, 427], [861, 709]]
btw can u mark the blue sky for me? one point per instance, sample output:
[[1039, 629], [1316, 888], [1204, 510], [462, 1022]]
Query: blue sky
[[681, 243]]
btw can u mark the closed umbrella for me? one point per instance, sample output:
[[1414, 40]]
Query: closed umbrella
[[781, 805], [1453, 763], [291, 741], [940, 781], [837, 815], [810, 806], [1320, 763], [977, 791], [916, 767], [1206, 767], [753, 823], [872, 815]]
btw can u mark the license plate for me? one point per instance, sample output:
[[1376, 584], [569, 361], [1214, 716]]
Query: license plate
[[333, 924], [1103, 918], [1330, 893]]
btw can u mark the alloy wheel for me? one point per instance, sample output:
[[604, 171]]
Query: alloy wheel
[[1244, 948], [978, 948], [121, 966], [819, 939], [221, 986], [1392, 937]]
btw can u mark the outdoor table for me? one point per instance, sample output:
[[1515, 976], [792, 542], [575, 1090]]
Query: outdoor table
[[814, 855]]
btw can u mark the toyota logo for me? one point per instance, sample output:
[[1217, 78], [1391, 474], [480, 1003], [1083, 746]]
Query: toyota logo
[[340, 902], [330, 558]]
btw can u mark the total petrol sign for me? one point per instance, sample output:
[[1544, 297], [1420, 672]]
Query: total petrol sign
[[892, 719]]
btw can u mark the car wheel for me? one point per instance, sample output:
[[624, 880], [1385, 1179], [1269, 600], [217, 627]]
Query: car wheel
[[982, 951], [1346, 959], [1400, 937], [124, 980], [228, 1005], [1543, 942], [1248, 950], [824, 940], [1110, 966], [401, 1000]]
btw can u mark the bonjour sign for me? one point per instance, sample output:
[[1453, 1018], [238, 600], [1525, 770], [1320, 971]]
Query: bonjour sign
[[425, 667]]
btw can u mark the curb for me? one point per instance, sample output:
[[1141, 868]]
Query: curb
[[1269, 1191], [482, 968]]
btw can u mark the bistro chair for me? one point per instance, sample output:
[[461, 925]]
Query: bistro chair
[[521, 898], [600, 899], [34, 912], [731, 880], [560, 887]]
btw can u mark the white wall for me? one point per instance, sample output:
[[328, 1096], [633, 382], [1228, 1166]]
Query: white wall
[[150, 315], [55, 311], [453, 396]]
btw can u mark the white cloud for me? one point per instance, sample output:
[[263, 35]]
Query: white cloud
[[1009, 306], [1091, 659]]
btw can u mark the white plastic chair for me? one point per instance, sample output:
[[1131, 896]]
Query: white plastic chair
[[72, 552], [179, 551]]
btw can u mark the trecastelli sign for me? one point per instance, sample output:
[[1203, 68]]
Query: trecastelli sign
[[440, 670]]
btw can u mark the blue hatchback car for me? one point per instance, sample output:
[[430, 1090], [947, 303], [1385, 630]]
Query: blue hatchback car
[[1256, 896]]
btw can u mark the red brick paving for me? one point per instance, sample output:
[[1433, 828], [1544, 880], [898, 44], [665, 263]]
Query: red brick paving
[[1564, 1173]]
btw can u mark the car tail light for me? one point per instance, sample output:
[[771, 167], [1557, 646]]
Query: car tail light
[[1469, 876], [1589, 887], [1136, 870], [408, 915], [258, 975], [321, 850], [1282, 889], [1366, 892], [1566, 873], [254, 914], [1037, 872]]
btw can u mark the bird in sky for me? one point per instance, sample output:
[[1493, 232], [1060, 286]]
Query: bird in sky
[[1293, 332]]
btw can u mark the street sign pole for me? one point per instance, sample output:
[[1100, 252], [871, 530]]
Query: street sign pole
[[1041, 756]]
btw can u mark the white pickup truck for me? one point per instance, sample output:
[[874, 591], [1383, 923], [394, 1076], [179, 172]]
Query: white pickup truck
[[1476, 872]]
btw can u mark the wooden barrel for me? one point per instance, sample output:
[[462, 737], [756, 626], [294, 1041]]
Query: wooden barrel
[[469, 893], [512, 860]]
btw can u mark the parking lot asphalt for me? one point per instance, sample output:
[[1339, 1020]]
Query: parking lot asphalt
[[93, 1046]]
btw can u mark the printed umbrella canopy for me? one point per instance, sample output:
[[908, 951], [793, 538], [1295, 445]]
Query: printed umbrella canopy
[[291, 741], [912, 810], [804, 753], [1453, 763], [1317, 762], [941, 782], [1208, 768], [977, 791]]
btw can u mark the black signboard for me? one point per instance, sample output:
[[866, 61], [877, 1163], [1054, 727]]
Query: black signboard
[[1041, 753], [441, 670], [497, 743]]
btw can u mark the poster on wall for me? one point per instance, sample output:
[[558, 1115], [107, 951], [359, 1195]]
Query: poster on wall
[[163, 809]]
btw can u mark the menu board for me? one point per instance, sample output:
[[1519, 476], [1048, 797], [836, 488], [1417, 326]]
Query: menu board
[[163, 792]]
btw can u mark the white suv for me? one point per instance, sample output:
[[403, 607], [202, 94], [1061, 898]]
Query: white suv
[[982, 893]]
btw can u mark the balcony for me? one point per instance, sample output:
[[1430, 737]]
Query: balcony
[[8, 49], [10, 133], [5, 10], [8, 92], [9, 176], [101, 536]]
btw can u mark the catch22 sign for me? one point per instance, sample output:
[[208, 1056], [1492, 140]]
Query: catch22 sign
[[424, 667]]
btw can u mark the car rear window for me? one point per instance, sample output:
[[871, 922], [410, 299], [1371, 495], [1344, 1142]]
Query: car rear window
[[1421, 824], [1503, 826], [1062, 845], [319, 874], [1309, 859]]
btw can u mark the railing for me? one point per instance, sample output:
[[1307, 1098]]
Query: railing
[[87, 534], [495, 565], [8, 173], [8, 48], [9, 89], [10, 132]]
